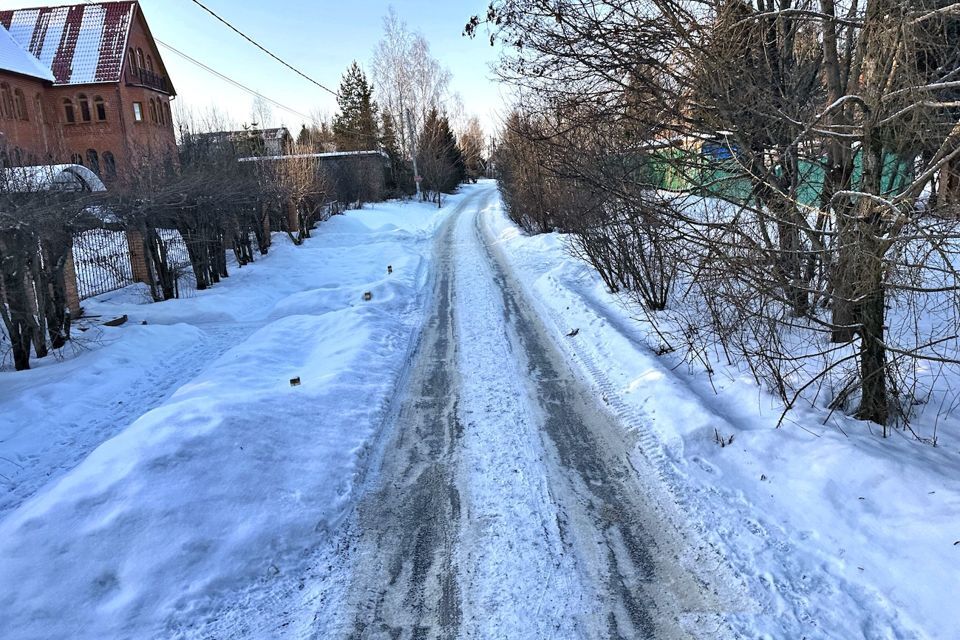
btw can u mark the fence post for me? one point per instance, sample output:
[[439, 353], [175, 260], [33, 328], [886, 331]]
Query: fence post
[[138, 259], [70, 284]]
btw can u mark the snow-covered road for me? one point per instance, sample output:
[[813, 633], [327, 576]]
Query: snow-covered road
[[506, 503], [453, 465]]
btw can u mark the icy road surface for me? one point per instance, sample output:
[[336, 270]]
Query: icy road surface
[[504, 503]]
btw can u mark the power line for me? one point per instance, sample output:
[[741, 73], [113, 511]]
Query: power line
[[241, 86], [264, 49], [224, 77], [230, 80]]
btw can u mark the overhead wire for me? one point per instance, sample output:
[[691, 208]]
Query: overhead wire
[[230, 80], [240, 85], [352, 132], [264, 49]]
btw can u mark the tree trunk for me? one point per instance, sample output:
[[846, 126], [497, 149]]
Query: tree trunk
[[871, 310]]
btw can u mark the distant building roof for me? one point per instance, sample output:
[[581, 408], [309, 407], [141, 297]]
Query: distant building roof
[[80, 44], [253, 142], [266, 134], [320, 156]]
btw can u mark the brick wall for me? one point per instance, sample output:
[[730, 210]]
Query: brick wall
[[70, 284], [34, 137]]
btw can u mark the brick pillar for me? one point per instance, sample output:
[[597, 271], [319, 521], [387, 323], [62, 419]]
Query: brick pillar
[[70, 285], [138, 258]]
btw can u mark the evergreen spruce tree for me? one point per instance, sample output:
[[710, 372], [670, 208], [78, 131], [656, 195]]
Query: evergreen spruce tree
[[440, 157], [305, 140], [355, 125], [401, 176]]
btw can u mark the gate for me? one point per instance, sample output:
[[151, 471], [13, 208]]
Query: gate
[[102, 260]]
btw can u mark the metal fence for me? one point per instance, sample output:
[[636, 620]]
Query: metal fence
[[102, 260], [179, 260]]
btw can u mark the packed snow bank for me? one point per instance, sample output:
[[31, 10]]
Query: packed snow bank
[[833, 534], [232, 483]]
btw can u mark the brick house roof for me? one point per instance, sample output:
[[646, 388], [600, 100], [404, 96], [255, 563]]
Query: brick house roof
[[80, 44]]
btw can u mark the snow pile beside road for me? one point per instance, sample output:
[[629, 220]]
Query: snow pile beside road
[[228, 488], [832, 535]]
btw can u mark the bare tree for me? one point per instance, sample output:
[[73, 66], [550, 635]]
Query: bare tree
[[818, 132], [38, 215], [407, 77]]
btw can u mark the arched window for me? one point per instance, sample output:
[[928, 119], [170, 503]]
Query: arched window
[[166, 110], [140, 58], [149, 63], [76, 159], [38, 105], [6, 100], [153, 111], [133, 59], [20, 105], [100, 108], [93, 161], [160, 113], [110, 164], [84, 107], [69, 113]]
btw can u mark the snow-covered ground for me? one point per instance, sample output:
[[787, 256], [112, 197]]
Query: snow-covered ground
[[162, 468], [834, 534], [164, 479]]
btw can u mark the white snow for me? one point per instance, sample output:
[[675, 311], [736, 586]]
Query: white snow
[[166, 480], [116, 524], [14, 58], [522, 581], [833, 535]]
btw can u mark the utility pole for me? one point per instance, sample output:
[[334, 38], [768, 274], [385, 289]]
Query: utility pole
[[413, 146]]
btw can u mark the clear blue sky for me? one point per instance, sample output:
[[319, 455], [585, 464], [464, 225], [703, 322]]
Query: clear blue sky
[[321, 37]]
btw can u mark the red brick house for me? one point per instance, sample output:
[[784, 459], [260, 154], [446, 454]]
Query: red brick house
[[84, 84]]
